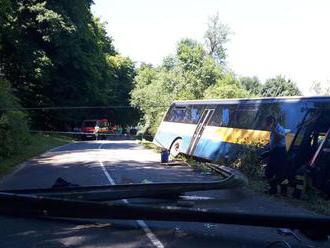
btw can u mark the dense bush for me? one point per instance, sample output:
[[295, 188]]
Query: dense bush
[[13, 125], [248, 161]]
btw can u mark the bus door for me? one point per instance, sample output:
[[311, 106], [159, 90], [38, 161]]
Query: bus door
[[320, 166], [303, 145], [202, 122], [311, 147]]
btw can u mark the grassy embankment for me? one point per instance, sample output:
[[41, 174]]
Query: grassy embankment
[[38, 144], [311, 200]]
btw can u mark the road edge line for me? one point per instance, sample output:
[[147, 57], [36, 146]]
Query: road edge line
[[25, 163]]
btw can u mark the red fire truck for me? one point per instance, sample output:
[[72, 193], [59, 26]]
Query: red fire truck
[[96, 128]]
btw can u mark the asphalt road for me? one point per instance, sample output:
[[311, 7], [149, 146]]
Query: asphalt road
[[120, 162]]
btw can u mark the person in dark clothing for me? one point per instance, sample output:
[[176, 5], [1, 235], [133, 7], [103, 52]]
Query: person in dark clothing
[[276, 170]]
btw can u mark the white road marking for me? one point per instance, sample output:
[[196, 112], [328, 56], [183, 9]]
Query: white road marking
[[106, 173], [152, 237]]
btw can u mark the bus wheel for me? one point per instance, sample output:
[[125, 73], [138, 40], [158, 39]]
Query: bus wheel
[[176, 147]]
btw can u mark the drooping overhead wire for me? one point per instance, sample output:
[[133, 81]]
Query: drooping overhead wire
[[69, 107], [77, 107]]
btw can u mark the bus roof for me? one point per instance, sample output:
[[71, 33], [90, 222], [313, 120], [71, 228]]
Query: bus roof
[[256, 100]]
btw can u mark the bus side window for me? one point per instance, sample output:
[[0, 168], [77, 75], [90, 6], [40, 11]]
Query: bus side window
[[221, 117], [169, 114], [196, 112], [245, 117], [178, 114], [187, 117], [225, 117], [217, 117], [193, 114], [267, 109]]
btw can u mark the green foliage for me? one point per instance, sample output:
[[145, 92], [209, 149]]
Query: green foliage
[[197, 72], [247, 161], [13, 126], [151, 94], [226, 87], [38, 143], [123, 70], [279, 86], [273, 87], [55, 53], [190, 74], [252, 85]]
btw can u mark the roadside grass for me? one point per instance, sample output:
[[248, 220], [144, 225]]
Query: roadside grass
[[196, 165], [38, 144], [149, 145], [311, 200]]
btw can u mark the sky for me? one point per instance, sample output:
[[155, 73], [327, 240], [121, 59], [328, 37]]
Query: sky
[[269, 37]]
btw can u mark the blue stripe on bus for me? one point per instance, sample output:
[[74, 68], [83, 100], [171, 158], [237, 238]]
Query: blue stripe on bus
[[215, 150]]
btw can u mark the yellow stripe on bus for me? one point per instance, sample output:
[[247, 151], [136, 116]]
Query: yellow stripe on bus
[[243, 136], [248, 136]]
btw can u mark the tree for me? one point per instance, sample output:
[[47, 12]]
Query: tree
[[151, 96], [55, 53], [227, 87], [124, 72], [190, 54], [183, 76], [279, 86], [320, 89], [190, 74], [13, 124], [26, 41], [251, 84], [216, 37], [195, 70]]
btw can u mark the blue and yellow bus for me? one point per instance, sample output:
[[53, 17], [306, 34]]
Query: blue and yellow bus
[[214, 129]]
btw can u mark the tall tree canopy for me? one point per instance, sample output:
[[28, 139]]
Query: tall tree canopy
[[13, 124], [226, 87], [191, 74], [279, 86], [198, 72], [252, 85], [216, 37], [55, 53]]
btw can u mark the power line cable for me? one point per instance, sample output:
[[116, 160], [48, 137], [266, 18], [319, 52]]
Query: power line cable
[[80, 107], [69, 107]]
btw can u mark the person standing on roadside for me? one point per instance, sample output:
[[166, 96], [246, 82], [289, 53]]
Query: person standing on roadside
[[277, 169]]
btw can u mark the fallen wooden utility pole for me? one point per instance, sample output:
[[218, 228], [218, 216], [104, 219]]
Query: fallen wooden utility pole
[[38, 206], [125, 191], [80, 202]]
